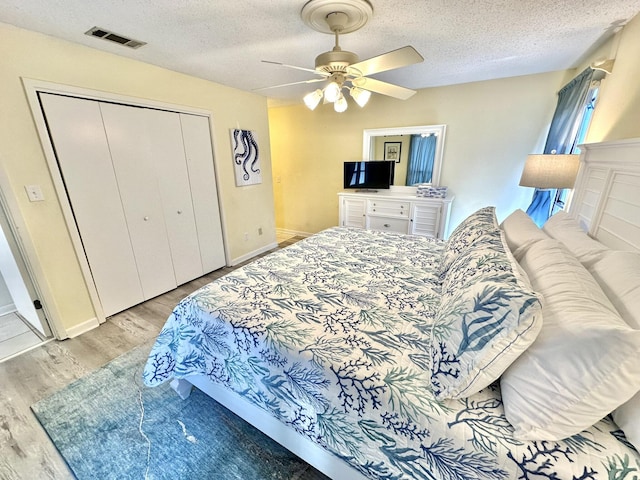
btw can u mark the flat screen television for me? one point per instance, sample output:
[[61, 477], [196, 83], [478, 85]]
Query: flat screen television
[[368, 175]]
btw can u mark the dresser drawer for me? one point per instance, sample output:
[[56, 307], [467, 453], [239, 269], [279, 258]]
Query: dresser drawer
[[399, 225], [389, 208]]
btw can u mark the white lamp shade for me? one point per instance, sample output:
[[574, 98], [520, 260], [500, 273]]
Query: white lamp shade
[[550, 171], [311, 100], [340, 105], [332, 92], [360, 96]]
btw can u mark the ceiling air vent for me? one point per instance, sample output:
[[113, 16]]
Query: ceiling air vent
[[114, 37]]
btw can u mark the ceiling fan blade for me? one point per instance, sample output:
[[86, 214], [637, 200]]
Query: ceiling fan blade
[[313, 80], [383, 88], [317, 72], [388, 61]]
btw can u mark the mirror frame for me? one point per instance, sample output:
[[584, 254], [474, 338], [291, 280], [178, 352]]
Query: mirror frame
[[437, 130]]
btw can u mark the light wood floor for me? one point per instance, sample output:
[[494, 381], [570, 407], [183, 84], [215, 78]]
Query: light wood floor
[[15, 335], [25, 449]]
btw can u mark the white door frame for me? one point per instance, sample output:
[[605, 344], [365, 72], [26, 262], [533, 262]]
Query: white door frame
[[27, 251], [32, 88]]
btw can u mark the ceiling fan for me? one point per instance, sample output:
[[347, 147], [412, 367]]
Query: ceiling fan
[[342, 70]]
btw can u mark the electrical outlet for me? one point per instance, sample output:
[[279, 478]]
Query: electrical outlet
[[259, 230], [34, 192], [246, 236]]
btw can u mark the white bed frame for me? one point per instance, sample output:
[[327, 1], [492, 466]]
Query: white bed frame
[[606, 202]]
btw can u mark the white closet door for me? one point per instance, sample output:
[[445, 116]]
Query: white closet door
[[196, 135], [130, 140], [171, 170], [77, 133]]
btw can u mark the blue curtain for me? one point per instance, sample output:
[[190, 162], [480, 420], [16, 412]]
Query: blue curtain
[[422, 153], [562, 136]]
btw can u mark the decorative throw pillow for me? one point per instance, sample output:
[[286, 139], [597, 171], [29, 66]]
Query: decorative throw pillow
[[466, 233], [488, 315], [584, 362], [520, 231], [567, 230]]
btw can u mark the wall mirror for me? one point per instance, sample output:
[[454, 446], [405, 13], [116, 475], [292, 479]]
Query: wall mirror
[[417, 151]]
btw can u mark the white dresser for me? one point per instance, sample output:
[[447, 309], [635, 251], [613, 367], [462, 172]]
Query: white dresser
[[395, 210]]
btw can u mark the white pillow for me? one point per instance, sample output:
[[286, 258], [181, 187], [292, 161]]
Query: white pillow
[[520, 231], [565, 229], [584, 362], [627, 417], [618, 274]]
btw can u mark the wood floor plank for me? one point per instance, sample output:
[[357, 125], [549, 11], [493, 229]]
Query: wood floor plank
[[11, 325], [18, 343]]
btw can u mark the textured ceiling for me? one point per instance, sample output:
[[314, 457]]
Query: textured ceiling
[[225, 40]]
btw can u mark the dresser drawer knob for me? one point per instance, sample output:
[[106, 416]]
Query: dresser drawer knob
[[387, 225]]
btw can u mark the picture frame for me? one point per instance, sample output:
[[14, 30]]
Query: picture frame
[[246, 157], [392, 151]]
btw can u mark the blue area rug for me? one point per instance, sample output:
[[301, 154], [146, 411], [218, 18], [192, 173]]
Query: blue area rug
[[95, 423]]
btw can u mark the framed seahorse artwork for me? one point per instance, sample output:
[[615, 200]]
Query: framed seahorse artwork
[[246, 157]]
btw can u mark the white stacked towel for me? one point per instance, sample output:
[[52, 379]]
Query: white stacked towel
[[428, 190]]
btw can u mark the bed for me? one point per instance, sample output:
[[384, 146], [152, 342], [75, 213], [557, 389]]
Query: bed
[[384, 356]]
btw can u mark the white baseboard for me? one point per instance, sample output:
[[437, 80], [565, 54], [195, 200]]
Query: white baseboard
[[250, 255], [291, 233], [82, 328], [5, 309]]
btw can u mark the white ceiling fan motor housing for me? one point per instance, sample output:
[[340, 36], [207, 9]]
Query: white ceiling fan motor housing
[[336, 17], [357, 13]]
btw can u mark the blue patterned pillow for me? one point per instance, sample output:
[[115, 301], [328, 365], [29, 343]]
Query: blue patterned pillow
[[466, 233], [488, 315]]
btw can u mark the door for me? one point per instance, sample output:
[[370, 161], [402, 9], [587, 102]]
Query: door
[[131, 140], [78, 136], [353, 212], [141, 185], [425, 220], [17, 280], [170, 164], [196, 135]]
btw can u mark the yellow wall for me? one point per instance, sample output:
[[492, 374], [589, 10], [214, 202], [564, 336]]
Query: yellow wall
[[617, 114], [27, 54], [491, 127]]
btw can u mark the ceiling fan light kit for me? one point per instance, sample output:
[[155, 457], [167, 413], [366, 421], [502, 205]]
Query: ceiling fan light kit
[[340, 67], [360, 96], [332, 91], [311, 100], [340, 105]]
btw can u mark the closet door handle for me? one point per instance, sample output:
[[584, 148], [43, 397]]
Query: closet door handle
[[146, 219], [179, 212]]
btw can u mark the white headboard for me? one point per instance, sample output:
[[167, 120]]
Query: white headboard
[[606, 200]]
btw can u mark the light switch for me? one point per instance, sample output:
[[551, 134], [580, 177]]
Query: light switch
[[34, 192]]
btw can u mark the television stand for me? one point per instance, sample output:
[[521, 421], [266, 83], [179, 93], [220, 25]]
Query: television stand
[[401, 212]]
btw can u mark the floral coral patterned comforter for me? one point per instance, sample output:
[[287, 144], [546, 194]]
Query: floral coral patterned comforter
[[332, 336]]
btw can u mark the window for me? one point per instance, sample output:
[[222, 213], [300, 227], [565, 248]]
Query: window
[[561, 196]]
